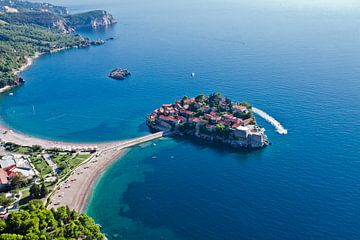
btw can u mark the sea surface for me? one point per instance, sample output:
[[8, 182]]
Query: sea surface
[[299, 61]]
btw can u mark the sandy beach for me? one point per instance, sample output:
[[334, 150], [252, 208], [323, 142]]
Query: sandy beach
[[5, 89], [29, 61], [9, 135], [76, 190]]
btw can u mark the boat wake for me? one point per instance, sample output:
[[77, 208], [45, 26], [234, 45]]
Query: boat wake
[[279, 128]]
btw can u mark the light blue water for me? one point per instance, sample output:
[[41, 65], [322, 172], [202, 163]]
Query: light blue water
[[299, 63]]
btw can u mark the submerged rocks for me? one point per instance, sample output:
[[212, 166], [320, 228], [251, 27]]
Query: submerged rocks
[[119, 74]]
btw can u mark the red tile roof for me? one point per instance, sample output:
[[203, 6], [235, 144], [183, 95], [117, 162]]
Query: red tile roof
[[194, 119], [189, 112], [239, 107], [247, 121], [3, 177]]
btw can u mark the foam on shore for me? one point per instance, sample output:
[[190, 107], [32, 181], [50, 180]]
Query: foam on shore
[[279, 128]]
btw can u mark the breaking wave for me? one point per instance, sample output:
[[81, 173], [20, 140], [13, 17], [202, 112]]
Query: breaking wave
[[279, 128]]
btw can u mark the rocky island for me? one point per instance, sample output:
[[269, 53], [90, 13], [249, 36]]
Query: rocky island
[[119, 74], [213, 118]]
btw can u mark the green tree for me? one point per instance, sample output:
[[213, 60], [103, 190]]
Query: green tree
[[200, 98], [35, 222], [18, 180], [43, 190], [35, 191], [4, 201], [183, 99]]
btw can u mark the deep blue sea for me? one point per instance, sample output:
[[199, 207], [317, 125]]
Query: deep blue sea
[[297, 60]]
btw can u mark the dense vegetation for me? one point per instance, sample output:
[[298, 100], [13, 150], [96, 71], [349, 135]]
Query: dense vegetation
[[37, 222], [43, 19], [24, 6]]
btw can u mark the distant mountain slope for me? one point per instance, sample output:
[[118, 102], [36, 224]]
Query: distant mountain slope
[[23, 6], [44, 19], [51, 16]]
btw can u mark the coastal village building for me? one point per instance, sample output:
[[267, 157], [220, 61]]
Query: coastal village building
[[15, 163], [4, 179], [212, 118]]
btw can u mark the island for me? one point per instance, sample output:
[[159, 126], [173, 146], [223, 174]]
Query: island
[[119, 74], [44, 28], [213, 118]]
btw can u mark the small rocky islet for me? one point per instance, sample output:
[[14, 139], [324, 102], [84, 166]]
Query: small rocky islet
[[119, 74]]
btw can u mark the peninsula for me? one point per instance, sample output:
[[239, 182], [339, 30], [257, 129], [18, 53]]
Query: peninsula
[[213, 118]]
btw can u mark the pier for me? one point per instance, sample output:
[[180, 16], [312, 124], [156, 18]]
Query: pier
[[135, 141]]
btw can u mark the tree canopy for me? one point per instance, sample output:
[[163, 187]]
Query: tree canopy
[[36, 222]]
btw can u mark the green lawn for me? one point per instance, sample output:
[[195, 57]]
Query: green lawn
[[41, 165], [78, 159], [69, 161]]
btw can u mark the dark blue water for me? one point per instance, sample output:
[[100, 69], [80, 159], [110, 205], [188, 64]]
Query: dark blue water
[[298, 62]]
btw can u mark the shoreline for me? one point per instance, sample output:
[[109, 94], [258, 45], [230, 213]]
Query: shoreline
[[9, 135], [82, 185], [76, 191], [29, 60], [106, 153]]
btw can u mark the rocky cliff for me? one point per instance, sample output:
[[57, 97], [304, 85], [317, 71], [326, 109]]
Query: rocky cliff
[[52, 17], [90, 19]]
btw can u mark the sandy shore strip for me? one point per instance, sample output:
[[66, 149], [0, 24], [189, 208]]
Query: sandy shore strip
[[5, 89], [29, 61], [12, 136], [76, 190]]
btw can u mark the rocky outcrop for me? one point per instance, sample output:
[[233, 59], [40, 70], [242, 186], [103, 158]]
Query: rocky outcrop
[[64, 24], [94, 19], [119, 74]]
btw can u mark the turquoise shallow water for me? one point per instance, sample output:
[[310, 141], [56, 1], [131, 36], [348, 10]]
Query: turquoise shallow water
[[299, 63]]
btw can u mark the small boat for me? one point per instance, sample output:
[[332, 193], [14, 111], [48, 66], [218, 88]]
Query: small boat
[[11, 94], [193, 74], [154, 144], [154, 157]]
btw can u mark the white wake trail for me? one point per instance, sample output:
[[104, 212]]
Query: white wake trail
[[279, 128]]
